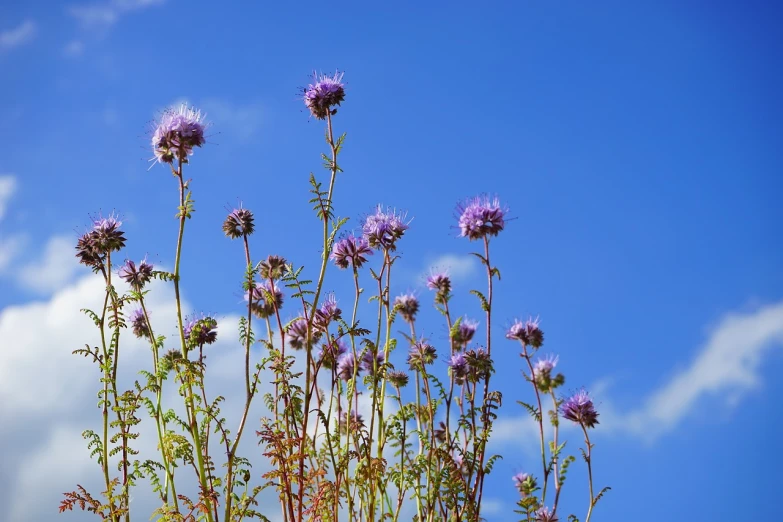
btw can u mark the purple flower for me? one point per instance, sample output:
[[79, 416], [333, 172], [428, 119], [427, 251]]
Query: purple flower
[[139, 324], [525, 483], [136, 276], [324, 93], [441, 283], [346, 366], [199, 332], [297, 333], [373, 362], [383, 229], [480, 217], [238, 223], [421, 354], [408, 305], [528, 333], [327, 313], [350, 251], [267, 298], [458, 367], [273, 267], [331, 353], [177, 132], [479, 364], [545, 515], [544, 367], [104, 238], [399, 379], [463, 332], [579, 408]]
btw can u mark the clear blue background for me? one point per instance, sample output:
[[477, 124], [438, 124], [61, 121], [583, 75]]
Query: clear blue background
[[638, 145]]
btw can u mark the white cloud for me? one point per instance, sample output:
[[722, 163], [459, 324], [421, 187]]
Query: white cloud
[[459, 267], [519, 431], [73, 48], [17, 36], [101, 16], [10, 248], [243, 120], [7, 189], [54, 269]]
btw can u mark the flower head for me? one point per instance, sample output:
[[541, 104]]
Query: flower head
[[373, 362], [421, 354], [528, 332], [479, 364], [238, 223], [480, 217], [383, 229], [407, 305], [331, 353], [398, 379], [350, 251], [346, 366], [441, 283], [104, 237], [324, 93], [273, 267], [579, 408], [297, 334], [136, 276], [267, 298], [199, 332], [463, 332], [170, 359], [544, 366], [328, 312], [139, 324], [525, 483], [177, 132], [458, 367], [543, 514]]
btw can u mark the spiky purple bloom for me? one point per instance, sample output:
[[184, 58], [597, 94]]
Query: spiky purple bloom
[[104, 238], [524, 483], [441, 283], [529, 332], [169, 360], [544, 366], [238, 223], [407, 305], [545, 515], [297, 334], [273, 267], [458, 367], [383, 229], [398, 378], [136, 276], [199, 332], [373, 362], [479, 364], [139, 324], [464, 332], [267, 298], [177, 132], [331, 352], [480, 217], [324, 93], [421, 354], [579, 408], [346, 366], [351, 251], [328, 312]]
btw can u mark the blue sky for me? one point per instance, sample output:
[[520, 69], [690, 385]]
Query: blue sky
[[637, 145]]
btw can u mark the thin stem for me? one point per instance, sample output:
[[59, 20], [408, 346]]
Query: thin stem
[[589, 472]]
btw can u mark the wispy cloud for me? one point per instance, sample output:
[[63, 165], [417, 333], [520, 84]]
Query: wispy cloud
[[17, 36], [53, 270], [102, 16], [459, 267], [244, 120], [7, 190]]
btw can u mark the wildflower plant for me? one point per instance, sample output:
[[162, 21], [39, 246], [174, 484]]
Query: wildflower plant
[[416, 444]]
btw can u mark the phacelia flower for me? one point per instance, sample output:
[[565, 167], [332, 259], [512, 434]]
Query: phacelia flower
[[350, 251], [273, 267], [87, 253], [199, 332], [170, 359], [177, 132], [297, 334], [525, 483], [136, 276], [383, 229], [346, 366], [328, 312], [373, 362], [529, 333], [399, 379], [479, 364], [544, 366], [543, 514], [480, 217], [579, 408], [324, 93], [421, 354], [331, 353], [462, 333], [458, 367], [139, 324], [351, 422], [107, 234], [267, 298], [408, 306], [441, 283], [238, 223]]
